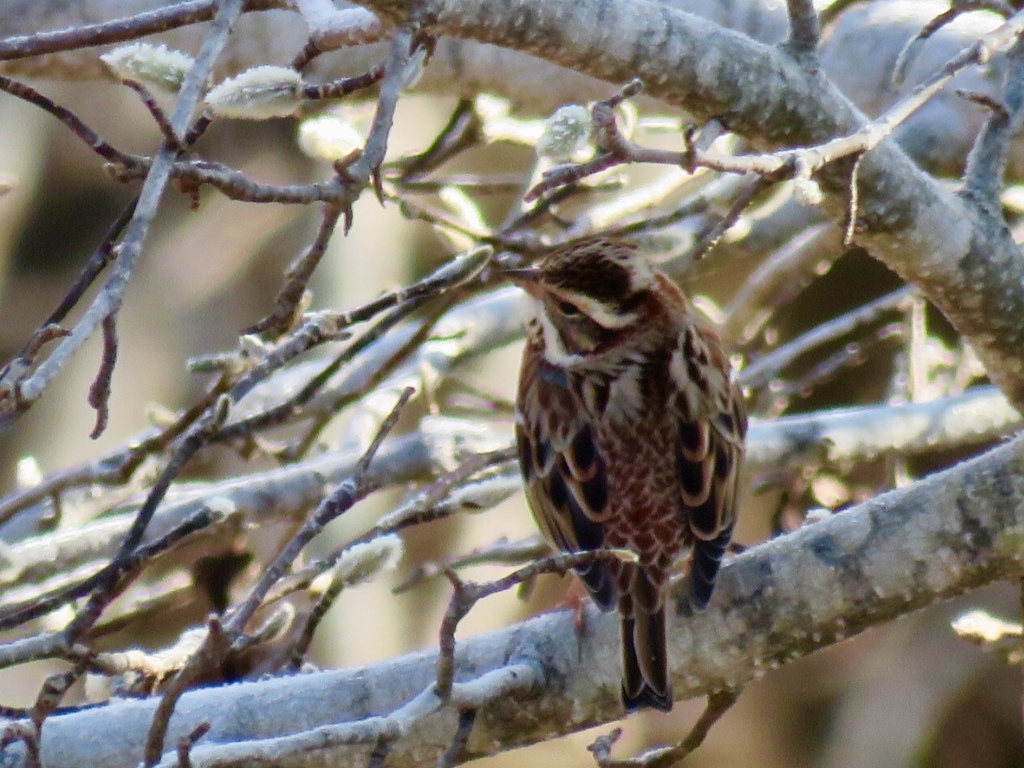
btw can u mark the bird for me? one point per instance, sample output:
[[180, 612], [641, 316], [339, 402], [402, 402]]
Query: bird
[[630, 429]]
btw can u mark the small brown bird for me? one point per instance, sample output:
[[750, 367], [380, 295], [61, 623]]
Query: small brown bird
[[630, 430]]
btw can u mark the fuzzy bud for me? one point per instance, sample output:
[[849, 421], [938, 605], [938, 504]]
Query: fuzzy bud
[[328, 137], [414, 68], [362, 562], [566, 134], [259, 93], [28, 474], [486, 493], [155, 66]]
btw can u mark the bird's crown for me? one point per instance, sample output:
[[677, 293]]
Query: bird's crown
[[612, 272]]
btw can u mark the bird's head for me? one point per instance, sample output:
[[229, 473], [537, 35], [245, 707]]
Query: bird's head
[[590, 295]]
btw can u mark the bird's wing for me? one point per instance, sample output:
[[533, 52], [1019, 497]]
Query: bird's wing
[[565, 475], [711, 430]]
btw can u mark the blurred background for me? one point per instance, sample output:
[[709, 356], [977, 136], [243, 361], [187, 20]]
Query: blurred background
[[907, 694]]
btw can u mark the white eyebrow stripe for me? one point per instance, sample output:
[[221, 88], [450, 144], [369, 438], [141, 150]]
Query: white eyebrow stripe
[[599, 312]]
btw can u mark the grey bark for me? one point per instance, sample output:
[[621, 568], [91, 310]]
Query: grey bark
[[952, 532]]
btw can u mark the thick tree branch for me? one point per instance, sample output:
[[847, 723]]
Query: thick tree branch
[[863, 567], [963, 263], [944, 535], [859, 55]]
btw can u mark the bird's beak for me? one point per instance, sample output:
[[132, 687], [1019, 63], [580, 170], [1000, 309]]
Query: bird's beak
[[527, 278]]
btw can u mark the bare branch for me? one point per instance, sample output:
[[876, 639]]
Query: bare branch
[[986, 165], [118, 30], [719, 702], [951, 532], [803, 29], [109, 300], [918, 228]]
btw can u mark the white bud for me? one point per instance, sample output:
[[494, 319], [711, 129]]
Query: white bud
[[490, 107], [252, 346], [221, 506], [830, 491], [486, 493], [807, 191], [259, 93], [222, 409], [625, 555], [28, 473], [160, 415], [155, 66], [566, 133], [362, 562], [328, 137]]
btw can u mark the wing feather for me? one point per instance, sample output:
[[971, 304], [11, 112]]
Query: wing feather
[[710, 439], [565, 473]]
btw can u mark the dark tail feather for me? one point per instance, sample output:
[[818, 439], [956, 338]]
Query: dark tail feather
[[645, 680], [704, 565]]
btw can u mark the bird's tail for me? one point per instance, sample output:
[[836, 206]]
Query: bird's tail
[[645, 681]]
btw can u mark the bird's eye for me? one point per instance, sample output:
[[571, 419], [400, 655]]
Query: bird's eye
[[568, 309]]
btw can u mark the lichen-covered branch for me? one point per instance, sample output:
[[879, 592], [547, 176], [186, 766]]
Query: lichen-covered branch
[[965, 264], [946, 534], [858, 54]]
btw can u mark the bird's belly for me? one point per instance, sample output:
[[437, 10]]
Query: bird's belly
[[647, 515]]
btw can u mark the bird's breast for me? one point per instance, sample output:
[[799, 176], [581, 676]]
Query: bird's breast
[[646, 514]]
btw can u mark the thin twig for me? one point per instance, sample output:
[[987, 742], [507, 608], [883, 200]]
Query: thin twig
[[27, 733], [337, 89], [430, 504], [777, 281], [851, 354], [334, 403], [758, 372], [803, 30], [718, 704], [336, 503], [956, 9], [92, 139], [743, 201], [209, 654], [109, 300], [500, 552], [367, 168], [466, 594], [297, 277], [453, 755], [119, 30], [986, 164], [99, 391], [462, 131], [186, 742]]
